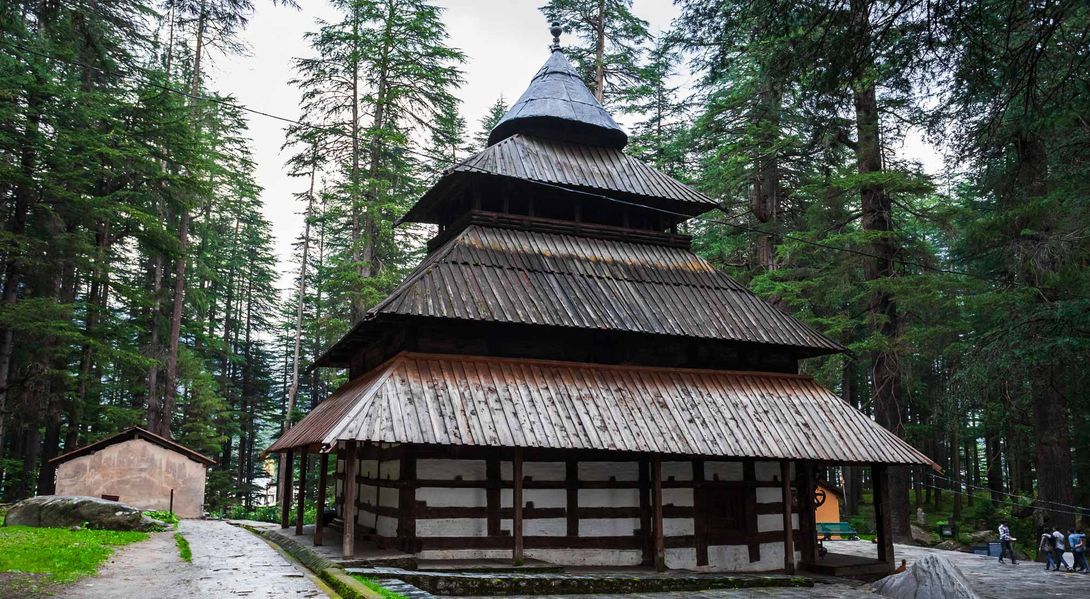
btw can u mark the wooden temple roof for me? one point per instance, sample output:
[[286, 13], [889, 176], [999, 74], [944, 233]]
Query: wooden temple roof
[[585, 167], [505, 402], [533, 277], [557, 103]]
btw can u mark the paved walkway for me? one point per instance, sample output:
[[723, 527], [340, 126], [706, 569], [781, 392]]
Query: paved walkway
[[227, 562], [1027, 580]]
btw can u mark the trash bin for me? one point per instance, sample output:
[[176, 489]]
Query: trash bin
[[995, 548], [980, 549]]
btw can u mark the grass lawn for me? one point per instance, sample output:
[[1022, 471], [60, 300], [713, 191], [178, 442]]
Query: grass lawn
[[45, 556], [374, 586]]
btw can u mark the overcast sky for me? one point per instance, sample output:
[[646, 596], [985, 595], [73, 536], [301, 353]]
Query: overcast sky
[[505, 42]]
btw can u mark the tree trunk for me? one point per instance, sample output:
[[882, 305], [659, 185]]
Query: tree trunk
[[600, 53], [302, 291], [877, 219]]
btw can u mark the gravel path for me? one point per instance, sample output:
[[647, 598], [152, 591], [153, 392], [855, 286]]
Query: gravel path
[[227, 562]]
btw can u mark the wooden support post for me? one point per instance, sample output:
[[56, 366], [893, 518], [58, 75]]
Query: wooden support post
[[883, 523], [660, 539], [646, 529], [804, 478], [788, 526], [348, 541], [319, 523], [492, 494], [700, 512], [286, 473], [516, 521], [571, 477], [406, 502], [749, 500], [301, 507]]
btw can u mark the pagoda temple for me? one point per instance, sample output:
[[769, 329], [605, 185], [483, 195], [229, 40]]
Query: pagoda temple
[[563, 379]]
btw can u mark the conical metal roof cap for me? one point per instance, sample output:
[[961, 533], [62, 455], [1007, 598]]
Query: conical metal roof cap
[[558, 105]]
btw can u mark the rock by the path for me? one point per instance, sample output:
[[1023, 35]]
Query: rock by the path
[[950, 545], [57, 511], [921, 536], [983, 536], [933, 577]]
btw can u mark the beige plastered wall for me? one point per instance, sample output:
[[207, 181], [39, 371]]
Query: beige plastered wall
[[140, 473]]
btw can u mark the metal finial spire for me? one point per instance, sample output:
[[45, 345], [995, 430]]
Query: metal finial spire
[[556, 30]]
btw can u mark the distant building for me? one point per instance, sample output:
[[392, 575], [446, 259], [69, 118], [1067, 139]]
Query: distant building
[[138, 468], [827, 499], [562, 378]]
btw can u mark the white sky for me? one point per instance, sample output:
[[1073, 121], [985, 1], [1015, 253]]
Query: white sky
[[505, 42]]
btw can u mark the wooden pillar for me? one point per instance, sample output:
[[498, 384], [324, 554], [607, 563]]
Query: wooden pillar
[[286, 459], [883, 523], [516, 498], [804, 479], [700, 511], [646, 529], [406, 501], [319, 523], [492, 495], [788, 526], [571, 482], [749, 500], [351, 487], [660, 539], [301, 506]]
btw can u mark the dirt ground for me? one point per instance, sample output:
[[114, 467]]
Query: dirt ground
[[227, 562]]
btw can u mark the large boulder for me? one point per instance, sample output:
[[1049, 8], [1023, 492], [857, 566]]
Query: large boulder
[[56, 511], [921, 536], [983, 536], [933, 577]]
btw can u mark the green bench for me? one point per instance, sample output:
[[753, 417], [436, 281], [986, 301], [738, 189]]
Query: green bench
[[844, 530]]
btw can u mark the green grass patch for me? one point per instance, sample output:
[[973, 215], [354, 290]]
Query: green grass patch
[[376, 587], [167, 517], [183, 547], [64, 555]]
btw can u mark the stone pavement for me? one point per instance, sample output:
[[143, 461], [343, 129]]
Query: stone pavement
[[228, 561], [1027, 580]]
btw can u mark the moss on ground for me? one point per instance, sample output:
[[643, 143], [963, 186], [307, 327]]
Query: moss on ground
[[184, 551], [376, 587]]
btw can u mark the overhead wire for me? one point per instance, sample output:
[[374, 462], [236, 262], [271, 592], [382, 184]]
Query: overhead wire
[[1011, 495]]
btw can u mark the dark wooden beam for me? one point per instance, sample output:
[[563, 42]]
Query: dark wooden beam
[[406, 505], [348, 540], [700, 510], [646, 530], [660, 540], [286, 475], [571, 475], [323, 482], [883, 522], [749, 475], [804, 485], [788, 526], [516, 497], [301, 506], [492, 495]]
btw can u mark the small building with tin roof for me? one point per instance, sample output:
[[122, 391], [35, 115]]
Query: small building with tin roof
[[563, 379], [137, 468]]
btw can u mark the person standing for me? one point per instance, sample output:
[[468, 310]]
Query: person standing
[[1005, 541], [1077, 542], [1046, 546], [1058, 550]]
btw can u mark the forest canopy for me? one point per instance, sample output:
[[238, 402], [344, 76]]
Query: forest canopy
[[140, 284]]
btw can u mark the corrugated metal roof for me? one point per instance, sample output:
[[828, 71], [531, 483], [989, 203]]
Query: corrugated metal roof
[[498, 402], [558, 102], [573, 165], [531, 277]]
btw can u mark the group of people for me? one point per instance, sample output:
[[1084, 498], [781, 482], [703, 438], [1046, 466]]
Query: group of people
[[1055, 543]]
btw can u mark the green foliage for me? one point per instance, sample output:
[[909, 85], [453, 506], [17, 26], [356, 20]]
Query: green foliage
[[270, 513], [376, 587], [184, 551], [64, 555], [167, 517]]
